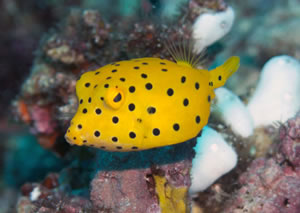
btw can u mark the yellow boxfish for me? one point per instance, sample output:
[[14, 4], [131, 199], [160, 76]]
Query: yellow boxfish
[[144, 103]]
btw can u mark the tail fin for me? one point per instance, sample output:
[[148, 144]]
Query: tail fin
[[219, 75]]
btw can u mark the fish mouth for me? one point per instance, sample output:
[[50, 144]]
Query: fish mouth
[[75, 139], [69, 140]]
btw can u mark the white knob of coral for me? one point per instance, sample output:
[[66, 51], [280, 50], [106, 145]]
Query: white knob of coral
[[233, 112], [277, 96], [210, 27], [214, 158]]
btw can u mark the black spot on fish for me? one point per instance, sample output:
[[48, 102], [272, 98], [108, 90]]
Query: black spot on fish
[[151, 110], [186, 102], [170, 92], [197, 119], [132, 135], [98, 111], [144, 75], [148, 86], [156, 131], [115, 119], [131, 107], [97, 133], [176, 127], [131, 89]]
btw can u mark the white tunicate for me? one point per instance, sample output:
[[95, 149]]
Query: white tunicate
[[214, 158], [210, 27], [34, 195], [277, 96], [232, 111]]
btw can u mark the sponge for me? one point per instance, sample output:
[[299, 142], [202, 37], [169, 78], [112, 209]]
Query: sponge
[[214, 158], [277, 96]]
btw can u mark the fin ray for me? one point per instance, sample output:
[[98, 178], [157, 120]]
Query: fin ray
[[183, 53]]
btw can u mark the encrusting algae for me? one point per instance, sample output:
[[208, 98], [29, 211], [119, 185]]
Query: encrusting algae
[[171, 198], [145, 103]]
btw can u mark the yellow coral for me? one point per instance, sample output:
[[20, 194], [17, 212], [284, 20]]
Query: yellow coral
[[171, 199]]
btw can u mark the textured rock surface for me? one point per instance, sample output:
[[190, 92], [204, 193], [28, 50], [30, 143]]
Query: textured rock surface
[[272, 184], [290, 146], [126, 191], [47, 197], [146, 181]]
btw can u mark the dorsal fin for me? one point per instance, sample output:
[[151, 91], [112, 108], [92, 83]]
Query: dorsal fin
[[183, 53]]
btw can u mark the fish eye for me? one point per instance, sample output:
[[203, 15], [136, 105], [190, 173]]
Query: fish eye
[[118, 98], [114, 98]]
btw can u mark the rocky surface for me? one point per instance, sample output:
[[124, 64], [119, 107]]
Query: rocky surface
[[272, 184]]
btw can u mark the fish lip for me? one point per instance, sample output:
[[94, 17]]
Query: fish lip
[[67, 138], [73, 142]]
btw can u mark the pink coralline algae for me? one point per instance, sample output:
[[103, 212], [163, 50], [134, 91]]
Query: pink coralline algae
[[46, 197], [290, 146], [272, 185], [125, 191], [43, 123], [134, 190]]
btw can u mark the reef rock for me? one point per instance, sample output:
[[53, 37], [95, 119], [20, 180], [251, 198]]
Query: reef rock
[[272, 185]]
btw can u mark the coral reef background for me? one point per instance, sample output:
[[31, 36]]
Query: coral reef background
[[46, 45]]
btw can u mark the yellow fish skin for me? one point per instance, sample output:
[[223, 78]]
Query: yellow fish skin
[[144, 103]]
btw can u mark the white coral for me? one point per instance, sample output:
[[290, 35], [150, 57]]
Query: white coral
[[210, 27], [232, 111], [214, 158], [277, 96]]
